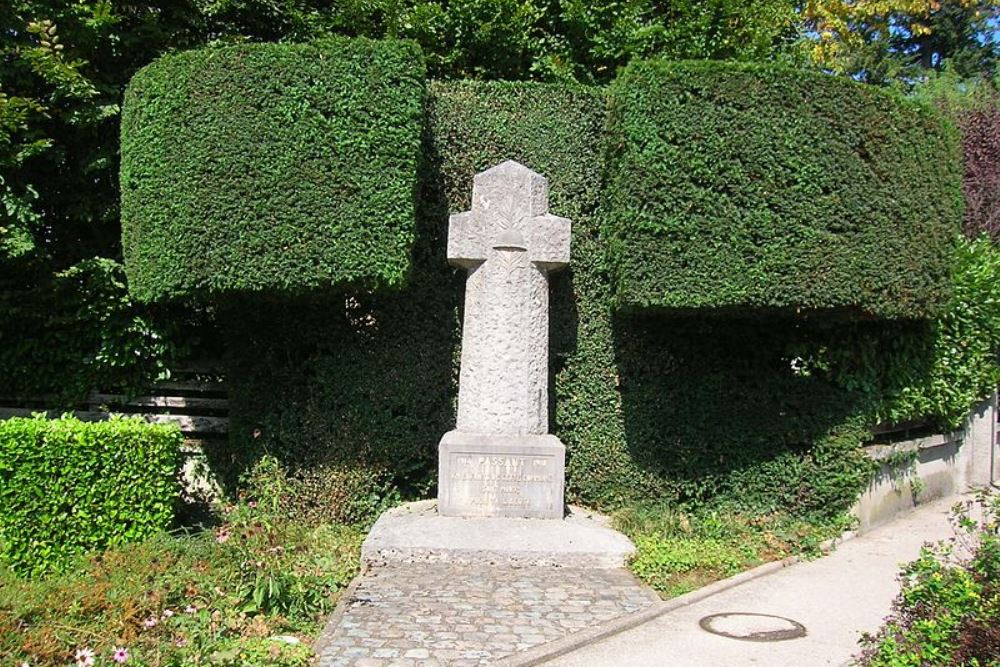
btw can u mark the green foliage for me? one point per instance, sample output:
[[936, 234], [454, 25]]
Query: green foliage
[[715, 412], [268, 579], [678, 551], [524, 39], [898, 42], [739, 186], [63, 68], [66, 63], [914, 371], [63, 308], [310, 376], [70, 487], [948, 612], [658, 561], [585, 42], [637, 399], [354, 496], [351, 394], [19, 219], [953, 93], [964, 364], [271, 167], [76, 331], [187, 599]]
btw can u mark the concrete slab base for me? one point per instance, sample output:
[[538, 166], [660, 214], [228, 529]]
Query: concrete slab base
[[417, 533]]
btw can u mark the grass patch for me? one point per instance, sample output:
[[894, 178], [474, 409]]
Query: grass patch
[[678, 551], [251, 592]]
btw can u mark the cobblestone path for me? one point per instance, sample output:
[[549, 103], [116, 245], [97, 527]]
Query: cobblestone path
[[440, 615]]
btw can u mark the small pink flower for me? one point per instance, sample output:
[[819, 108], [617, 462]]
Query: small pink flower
[[252, 504], [84, 657], [222, 535], [180, 642], [256, 433], [150, 622], [167, 613], [120, 655], [190, 609]]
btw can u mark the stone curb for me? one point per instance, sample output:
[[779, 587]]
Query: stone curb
[[568, 644], [333, 620]]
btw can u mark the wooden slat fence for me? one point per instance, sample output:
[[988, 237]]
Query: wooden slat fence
[[198, 406]]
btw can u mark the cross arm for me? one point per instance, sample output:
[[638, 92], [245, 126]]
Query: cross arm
[[550, 241], [465, 239]]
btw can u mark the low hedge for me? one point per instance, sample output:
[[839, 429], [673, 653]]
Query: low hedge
[[67, 486], [278, 167], [736, 186]]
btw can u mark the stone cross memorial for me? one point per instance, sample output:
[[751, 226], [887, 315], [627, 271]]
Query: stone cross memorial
[[501, 460]]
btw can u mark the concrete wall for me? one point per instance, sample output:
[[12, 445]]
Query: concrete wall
[[937, 466]]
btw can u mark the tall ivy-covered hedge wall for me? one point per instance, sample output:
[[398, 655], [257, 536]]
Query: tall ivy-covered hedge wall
[[271, 167], [369, 380], [648, 408], [735, 186]]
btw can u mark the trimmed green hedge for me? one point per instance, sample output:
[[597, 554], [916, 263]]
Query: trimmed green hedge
[[638, 399], [68, 487], [690, 411], [271, 167], [312, 374], [734, 186]]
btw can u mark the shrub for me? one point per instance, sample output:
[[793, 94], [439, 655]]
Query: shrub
[[67, 334], [981, 143], [948, 612], [746, 186], [680, 551], [974, 106], [938, 369], [715, 412], [271, 167], [67, 487], [354, 496]]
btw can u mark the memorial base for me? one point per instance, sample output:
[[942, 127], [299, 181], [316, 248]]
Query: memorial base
[[416, 533], [501, 475]]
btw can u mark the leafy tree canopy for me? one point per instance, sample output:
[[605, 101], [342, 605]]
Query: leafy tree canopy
[[884, 40]]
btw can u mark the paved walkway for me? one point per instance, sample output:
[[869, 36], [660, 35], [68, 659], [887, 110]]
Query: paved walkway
[[440, 615], [835, 598]]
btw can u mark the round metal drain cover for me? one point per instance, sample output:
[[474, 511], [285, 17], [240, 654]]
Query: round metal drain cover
[[753, 627]]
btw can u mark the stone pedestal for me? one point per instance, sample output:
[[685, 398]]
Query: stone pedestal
[[501, 475]]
